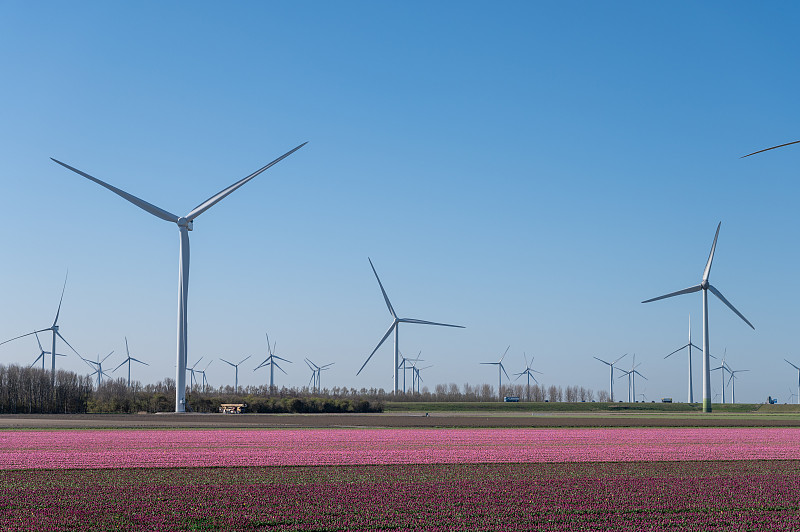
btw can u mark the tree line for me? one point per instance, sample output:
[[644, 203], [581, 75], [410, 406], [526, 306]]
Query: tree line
[[27, 390]]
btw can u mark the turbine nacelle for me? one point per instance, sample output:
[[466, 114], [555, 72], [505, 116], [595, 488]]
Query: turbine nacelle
[[183, 222]]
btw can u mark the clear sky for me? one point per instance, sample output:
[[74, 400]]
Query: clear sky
[[530, 170]]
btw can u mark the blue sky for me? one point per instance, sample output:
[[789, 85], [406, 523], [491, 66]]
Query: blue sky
[[530, 170]]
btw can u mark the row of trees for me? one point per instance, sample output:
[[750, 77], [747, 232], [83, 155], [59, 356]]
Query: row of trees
[[29, 390]]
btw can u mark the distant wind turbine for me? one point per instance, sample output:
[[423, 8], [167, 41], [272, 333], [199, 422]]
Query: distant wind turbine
[[723, 367], [395, 326], [611, 367], [402, 364], [98, 367], [732, 382], [631, 374], [192, 371], [203, 373], [236, 381], [689, 347], [270, 361], [529, 371], [317, 372], [128, 362], [416, 377], [500, 371], [705, 286], [42, 354], [54, 329], [184, 224], [798, 379]]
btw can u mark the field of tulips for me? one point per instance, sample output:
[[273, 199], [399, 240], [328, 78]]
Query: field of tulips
[[224, 448], [460, 479]]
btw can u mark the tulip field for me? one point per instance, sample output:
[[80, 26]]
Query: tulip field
[[401, 479]]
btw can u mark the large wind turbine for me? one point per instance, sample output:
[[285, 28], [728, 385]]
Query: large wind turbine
[[128, 362], [395, 326], [688, 346], [500, 371], [705, 286], [611, 366], [184, 224], [236, 381], [54, 329], [798, 380]]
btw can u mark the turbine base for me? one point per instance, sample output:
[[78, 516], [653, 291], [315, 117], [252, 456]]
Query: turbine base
[[706, 405]]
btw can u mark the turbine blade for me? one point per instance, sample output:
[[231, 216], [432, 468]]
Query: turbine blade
[[127, 351], [678, 293], [679, 349], [728, 303], [120, 365], [505, 353], [61, 300], [795, 367], [620, 358], [24, 335], [385, 297], [231, 363], [603, 361], [149, 207], [504, 371], [139, 361], [772, 148], [65, 341], [279, 358], [385, 336], [219, 196], [108, 355], [700, 349], [245, 358], [707, 271], [423, 322]]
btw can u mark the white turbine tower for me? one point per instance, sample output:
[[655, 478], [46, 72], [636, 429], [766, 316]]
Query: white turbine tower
[[611, 366], [798, 379], [184, 224], [529, 371], [500, 371], [705, 287], [128, 362], [689, 347], [396, 327], [54, 329], [270, 361], [236, 381]]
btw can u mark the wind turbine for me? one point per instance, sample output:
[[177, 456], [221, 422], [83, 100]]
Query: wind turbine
[[128, 362], [798, 380], [236, 387], [203, 373], [192, 371], [317, 370], [500, 371], [631, 374], [395, 326], [689, 347], [270, 361], [54, 329], [98, 368], [611, 366], [705, 286], [723, 368], [184, 224], [416, 378], [42, 353], [405, 369], [529, 371], [732, 382]]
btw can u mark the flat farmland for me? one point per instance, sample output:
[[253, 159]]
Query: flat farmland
[[402, 471]]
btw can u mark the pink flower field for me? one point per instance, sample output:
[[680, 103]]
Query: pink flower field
[[99, 449]]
